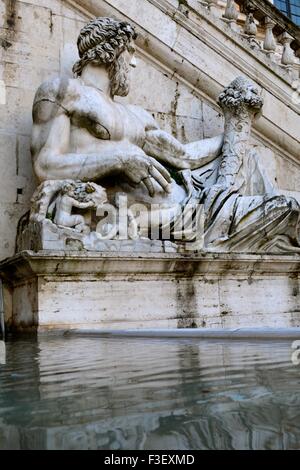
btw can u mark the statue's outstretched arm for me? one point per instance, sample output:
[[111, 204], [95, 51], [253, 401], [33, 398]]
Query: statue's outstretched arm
[[167, 149]]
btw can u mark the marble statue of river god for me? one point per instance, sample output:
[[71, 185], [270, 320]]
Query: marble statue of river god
[[87, 148]]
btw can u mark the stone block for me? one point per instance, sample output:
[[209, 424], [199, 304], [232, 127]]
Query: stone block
[[111, 291], [183, 128], [142, 81], [150, 18], [10, 214], [8, 163], [288, 175], [16, 115], [188, 105], [213, 123], [54, 5], [26, 181]]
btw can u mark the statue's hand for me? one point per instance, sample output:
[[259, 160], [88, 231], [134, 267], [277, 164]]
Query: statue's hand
[[142, 168]]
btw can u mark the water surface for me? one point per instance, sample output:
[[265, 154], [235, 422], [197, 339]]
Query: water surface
[[126, 393]]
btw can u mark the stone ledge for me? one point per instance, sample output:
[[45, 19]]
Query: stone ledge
[[44, 263], [201, 333]]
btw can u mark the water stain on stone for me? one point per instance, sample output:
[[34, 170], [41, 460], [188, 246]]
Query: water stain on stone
[[5, 44], [10, 13], [51, 23], [186, 303], [174, 106]]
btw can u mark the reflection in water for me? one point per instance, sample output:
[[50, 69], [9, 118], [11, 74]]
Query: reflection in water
[[2, 352], [124, 393]]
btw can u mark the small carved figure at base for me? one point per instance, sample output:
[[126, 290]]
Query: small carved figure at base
[[67, 199], [56, 200]]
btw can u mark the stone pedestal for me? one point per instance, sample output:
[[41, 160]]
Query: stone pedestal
[[47, 291]]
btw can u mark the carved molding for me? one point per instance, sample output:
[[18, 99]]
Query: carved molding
[[30, 264], [93, 8]]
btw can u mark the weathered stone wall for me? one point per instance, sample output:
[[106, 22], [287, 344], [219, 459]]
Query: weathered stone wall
[[37, 42], [33, 34]]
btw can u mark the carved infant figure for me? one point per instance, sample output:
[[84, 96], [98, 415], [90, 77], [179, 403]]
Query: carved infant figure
[[72, 195]]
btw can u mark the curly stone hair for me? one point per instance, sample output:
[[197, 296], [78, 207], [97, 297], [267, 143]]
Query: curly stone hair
[[101, 41], [241, 92]]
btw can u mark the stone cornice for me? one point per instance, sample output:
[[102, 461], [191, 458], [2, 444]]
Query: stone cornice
[[194, 24], [27, 265], [196, 27]]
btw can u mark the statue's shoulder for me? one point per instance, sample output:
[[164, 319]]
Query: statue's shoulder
[[55, 96]]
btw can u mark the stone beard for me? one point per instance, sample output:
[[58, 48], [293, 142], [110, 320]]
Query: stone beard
[[119, 75]]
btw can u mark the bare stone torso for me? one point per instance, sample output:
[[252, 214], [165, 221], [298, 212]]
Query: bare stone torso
[[81, 120], [96, 118], [98, 123]]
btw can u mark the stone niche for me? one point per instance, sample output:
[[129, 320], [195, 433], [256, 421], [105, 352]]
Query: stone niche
[[201, 155]]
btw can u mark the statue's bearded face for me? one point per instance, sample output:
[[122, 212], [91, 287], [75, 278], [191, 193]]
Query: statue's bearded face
[[119, 71]]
